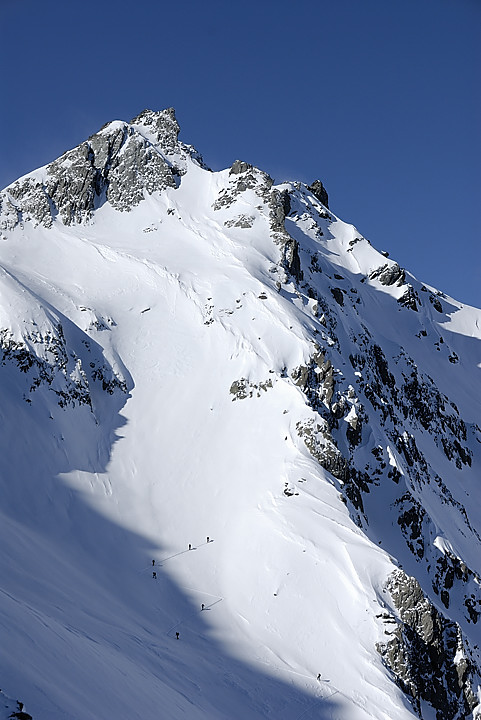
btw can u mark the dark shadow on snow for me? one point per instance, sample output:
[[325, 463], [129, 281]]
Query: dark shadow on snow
[[78, 595]]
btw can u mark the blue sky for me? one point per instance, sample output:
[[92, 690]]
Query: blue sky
[[379, 99]]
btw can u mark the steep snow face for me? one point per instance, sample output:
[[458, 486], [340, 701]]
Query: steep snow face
[[240, 452]]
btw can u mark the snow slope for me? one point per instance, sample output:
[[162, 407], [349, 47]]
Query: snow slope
[[159, 389]]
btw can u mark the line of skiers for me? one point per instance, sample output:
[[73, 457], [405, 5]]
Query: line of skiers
[[154, 574], [177, 634]]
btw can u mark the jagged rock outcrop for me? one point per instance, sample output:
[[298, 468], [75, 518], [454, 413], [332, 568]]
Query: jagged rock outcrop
[[316, 379], [320, 192], [14, 708], [242, 177], [47, 360], [410, 298], [389, 274], [163, 125], [427, 653], [242, 389], [239, 166], [119, 164], [291, 260], [319, 441]]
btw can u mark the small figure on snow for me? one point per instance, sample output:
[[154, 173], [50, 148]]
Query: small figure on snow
[[153, 562], [177, 635], [319, 676], [202, 606], [190, 546], [154, 575], [208, 539]]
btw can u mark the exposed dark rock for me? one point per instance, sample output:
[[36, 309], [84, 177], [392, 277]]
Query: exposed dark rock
[[353, 493], [387, 378], [286, 202], [291, 260], [452, 573], [411, 519], [473, 608], [278, 202], [338, 295], [314, 266], [15, 706], [242, 389], [300, 376], [163, 125], [241, 221], [436, 303], [316, 379], [239, 166], [20, 714], [427, 653], [46, 359], [354, 430], [389, 274], [410, 299], [320, 192], [33, 202], [242, 177], [138, 169], [277, 214], [319, 442]]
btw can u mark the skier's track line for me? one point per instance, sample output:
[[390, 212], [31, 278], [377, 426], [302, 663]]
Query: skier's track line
[[195, 612], [158, 563]]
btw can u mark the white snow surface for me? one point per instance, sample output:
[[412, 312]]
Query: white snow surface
[[170, 298]]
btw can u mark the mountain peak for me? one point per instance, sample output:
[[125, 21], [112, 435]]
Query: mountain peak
[[162, 125], [120, 164]]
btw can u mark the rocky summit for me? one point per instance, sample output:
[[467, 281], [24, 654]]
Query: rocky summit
[[240, 451]]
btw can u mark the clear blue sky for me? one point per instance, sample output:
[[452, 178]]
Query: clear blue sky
[[380, 99]]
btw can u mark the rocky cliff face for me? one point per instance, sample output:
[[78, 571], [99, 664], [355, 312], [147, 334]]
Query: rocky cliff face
[[120, 164], [48, 353], [418, 429], [428, 653]]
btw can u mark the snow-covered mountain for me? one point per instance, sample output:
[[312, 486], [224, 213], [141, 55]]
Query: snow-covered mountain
[[240, 456]]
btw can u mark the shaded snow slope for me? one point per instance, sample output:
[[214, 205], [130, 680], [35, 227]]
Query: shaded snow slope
[[192, 355]]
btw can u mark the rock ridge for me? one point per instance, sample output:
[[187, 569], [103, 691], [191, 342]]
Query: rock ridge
[[120, 164]]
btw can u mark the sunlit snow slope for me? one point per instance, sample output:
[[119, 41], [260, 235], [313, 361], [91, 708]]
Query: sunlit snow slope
[[209, 361]]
